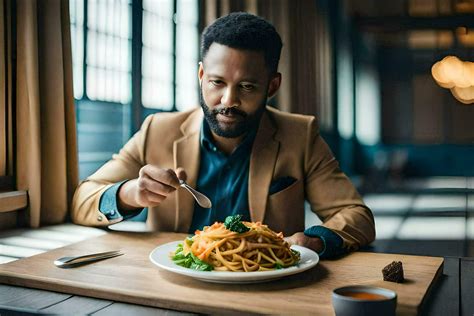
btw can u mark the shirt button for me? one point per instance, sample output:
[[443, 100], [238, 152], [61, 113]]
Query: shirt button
[[99, 218], [112, 212], [214, 148]]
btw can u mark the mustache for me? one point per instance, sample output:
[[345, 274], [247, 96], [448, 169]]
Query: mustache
[[228, 111]]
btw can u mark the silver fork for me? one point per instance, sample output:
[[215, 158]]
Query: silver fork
[[69, 262]]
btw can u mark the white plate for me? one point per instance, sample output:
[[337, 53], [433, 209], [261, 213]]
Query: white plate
[[161, 257]]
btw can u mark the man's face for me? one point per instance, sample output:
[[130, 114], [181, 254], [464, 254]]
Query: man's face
[[235, 85]]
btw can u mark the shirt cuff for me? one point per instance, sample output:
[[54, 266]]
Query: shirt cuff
[[108, 204], [332, 242]]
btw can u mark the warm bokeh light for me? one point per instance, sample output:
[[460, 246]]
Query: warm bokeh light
[[464, 95], [456, 75]]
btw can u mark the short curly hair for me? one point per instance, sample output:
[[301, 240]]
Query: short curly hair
[[246, 31]]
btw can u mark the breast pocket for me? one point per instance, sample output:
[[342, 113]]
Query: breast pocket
[[285, 209]]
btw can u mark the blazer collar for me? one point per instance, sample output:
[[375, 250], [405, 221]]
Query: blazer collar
[[193, 123], [186, 154], [262, 166]]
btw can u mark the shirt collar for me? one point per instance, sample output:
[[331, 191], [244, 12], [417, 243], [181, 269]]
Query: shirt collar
[[207, 141]]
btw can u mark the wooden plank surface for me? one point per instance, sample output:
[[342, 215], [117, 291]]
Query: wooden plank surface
[[17, 311], [130, 310], [62, 304], [77, 305], [37, 299], [134, 279]]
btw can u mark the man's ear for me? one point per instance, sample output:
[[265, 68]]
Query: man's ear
[[200, 72], [274, 85]]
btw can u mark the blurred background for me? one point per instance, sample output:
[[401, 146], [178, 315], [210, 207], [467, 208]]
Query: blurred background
[[363, 67]]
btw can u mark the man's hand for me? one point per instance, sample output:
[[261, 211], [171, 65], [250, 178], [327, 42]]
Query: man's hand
[[150, 189], [301, 239]]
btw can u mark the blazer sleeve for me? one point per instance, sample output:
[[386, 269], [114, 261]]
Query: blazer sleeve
[[123, 166], [332, 196]]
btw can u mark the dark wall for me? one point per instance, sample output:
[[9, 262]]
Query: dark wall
[[421, 119], [424, 129]]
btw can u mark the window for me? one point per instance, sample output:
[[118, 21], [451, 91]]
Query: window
[[108, 54], [170, 54], [101, 58], [157, 54], [76, 10], [367, 114], [130, 58]]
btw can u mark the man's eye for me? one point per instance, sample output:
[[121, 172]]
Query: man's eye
[[247, 87], [216, 82]]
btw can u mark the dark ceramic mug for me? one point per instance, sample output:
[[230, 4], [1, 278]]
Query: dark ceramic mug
[[362, 300]]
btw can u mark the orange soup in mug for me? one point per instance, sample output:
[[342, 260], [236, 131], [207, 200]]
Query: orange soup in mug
[[365, 295], [363, 300]]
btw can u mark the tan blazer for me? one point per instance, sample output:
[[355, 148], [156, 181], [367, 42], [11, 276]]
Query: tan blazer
[[285, 145]]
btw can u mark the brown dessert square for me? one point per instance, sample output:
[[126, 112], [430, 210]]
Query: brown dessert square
[[393, 272]]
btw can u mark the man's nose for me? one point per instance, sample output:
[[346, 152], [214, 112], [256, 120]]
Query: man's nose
[[230, 98]]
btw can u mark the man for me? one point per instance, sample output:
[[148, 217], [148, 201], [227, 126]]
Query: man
[[249, 159]]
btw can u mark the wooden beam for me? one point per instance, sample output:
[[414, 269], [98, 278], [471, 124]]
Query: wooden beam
[[407, 23], [13, 200]]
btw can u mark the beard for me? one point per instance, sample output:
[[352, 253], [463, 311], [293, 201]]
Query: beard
[[245, 122]]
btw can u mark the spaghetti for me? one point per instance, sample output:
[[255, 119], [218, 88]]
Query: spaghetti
[[257, 249]]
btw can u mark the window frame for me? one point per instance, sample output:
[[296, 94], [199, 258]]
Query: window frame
[[138, 111]]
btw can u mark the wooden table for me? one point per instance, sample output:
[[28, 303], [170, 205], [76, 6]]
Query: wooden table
[[132, 278]]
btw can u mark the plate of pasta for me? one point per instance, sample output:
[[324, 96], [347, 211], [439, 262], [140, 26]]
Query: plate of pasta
[[234, 252]]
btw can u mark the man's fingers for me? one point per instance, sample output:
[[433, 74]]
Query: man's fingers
[[172, 178], [295, 239], [165, 176], [181, 174], [289, 240], [154, 185], [301, 239], [146, 183]]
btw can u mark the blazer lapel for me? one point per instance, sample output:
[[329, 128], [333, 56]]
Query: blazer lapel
[[262, 165], [186, 154]]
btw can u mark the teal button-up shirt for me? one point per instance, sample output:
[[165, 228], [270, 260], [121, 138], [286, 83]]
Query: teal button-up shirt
[[224, 179]]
